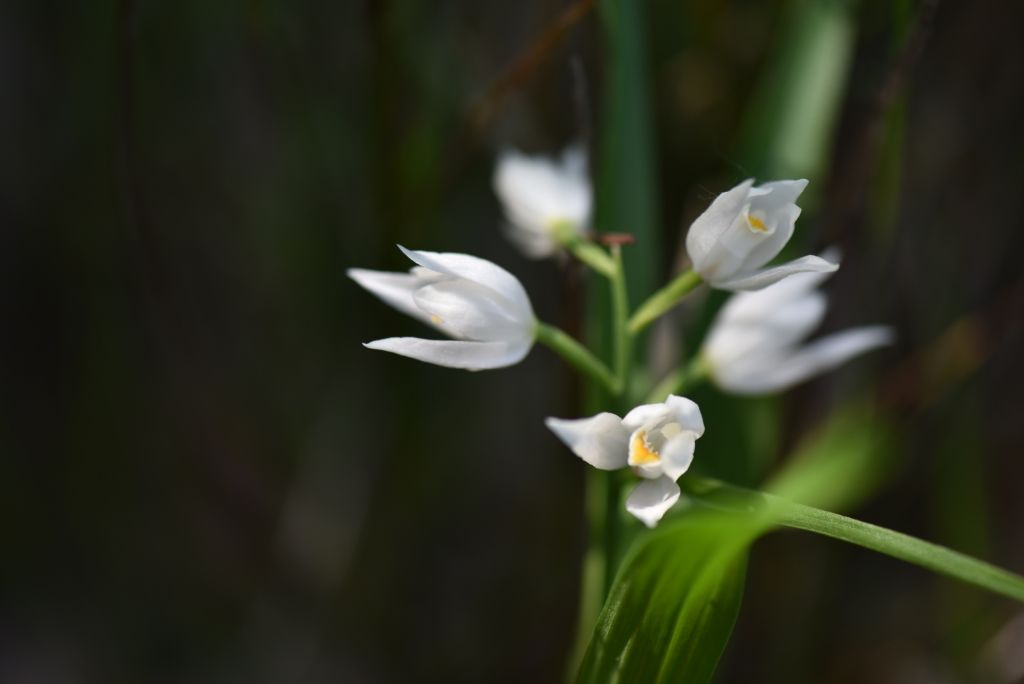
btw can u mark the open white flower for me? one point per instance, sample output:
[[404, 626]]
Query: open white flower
[[655, 440], [480, 304], [744, 229], [753, 344], [540, 195]]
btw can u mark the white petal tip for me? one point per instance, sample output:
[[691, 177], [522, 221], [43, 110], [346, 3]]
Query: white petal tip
[[761, 279], [651, 499]]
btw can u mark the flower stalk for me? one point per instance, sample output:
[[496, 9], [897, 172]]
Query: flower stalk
[[620, 314], [663, 300], [576, 355], [586, 251]]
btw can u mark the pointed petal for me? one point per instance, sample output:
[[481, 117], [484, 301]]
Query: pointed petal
[[394, 289], [600, 440], [455, 353], [768, 276], [774, 194], [758, 303], [817, 357], [651, 500], [687, 414], [479, 271]]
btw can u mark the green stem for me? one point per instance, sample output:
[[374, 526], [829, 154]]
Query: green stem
[[620, 312], [663, 300], [896, 544], [595, 579], [623, 356], [688, 376], [584, 250], [576, 354]]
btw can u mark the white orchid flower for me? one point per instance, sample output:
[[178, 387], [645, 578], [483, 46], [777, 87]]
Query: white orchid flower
[[753, 344], [655, 440], [744, 229], [541, 196], [480, 304]]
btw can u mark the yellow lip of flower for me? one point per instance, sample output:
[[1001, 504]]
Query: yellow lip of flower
[[640, 454], [756, 223]]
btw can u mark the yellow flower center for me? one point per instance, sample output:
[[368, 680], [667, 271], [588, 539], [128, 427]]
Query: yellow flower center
[[639, 453]]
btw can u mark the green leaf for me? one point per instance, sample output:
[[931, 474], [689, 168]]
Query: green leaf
[[674, 603]]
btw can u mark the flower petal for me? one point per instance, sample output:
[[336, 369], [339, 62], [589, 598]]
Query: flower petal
[[760, 303], [817, 357], [600, 440], [537, 191], [687, 414], [479, 271], [651, 500], [753, 325], [533, 244], [677, 455], [775, 194], [768, 276], [776, 200], [644, 414], [706, 231], [763, 251], [394, 289], [456, 353], [468, 310]]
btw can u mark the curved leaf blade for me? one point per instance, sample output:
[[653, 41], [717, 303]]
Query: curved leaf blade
[[674, 602]]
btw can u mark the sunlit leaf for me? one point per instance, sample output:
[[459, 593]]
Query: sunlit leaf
[[674, 603]]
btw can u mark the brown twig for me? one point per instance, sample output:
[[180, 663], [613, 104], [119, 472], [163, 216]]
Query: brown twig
[[523, 68], [610, 239]]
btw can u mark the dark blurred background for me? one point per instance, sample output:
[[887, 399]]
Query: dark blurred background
[[205, 478]]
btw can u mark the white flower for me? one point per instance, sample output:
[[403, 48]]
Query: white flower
[[655, 440], [752, 346], [480, 304], [744, 229], [540, 195]]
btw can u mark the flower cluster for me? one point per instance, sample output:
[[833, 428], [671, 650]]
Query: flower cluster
[[751, 348]]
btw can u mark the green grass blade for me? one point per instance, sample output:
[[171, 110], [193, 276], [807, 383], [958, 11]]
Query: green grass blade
[[791, 119], [910, 549], [771, 510], [627, 187]]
